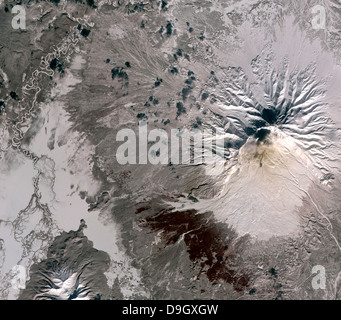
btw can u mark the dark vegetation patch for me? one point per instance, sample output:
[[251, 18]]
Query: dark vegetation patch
[[2, 106], [185, 93], [118, 72], [169, 29], [158, 82], [204, 96], [180, 109], [14, 96], [85, 33], [164, 5], [201, 37], [174, 70], [56, 65], [142, 116], [197, 122]]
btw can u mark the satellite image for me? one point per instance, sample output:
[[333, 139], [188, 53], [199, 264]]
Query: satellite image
[[170, 150]]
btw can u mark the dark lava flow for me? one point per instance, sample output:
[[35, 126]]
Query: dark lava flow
[[213, 247]]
